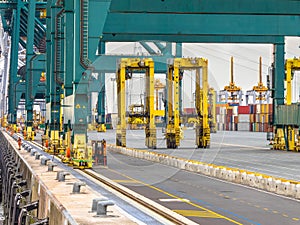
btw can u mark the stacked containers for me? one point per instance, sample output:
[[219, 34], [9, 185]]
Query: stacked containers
[[244, 118], [256, 118], [221, 115]]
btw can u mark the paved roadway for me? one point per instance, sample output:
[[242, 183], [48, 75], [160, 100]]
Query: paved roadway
[[205, 200], [244, 150]]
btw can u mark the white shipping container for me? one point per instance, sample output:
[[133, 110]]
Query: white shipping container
[[235, 110], [221, 119], [257, 118], [220, 126], [244, 118], [218, 118], [258, 108], [224, 111], [243, 126]]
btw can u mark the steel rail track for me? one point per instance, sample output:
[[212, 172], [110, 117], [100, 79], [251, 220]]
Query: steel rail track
[[142, 202], [161, 212]]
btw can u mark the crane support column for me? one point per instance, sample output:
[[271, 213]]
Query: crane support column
[[278, 94], [29, 73], [202, 128], [173, 127], [121, 126], [150, 129], [13, 79]]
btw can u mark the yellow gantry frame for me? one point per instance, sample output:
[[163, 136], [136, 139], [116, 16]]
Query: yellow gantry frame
[[213, 113], [279, 141], [125, 67], [173, 121]]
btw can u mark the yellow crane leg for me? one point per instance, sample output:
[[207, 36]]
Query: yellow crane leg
[[82, 154], [279, 142], [291, 139], [121, 137]]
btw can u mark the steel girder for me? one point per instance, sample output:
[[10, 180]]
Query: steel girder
[[13, 79]]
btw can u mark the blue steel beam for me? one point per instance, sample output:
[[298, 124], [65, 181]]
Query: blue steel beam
[[257, 7], [251, 39], [29, 56], [13, 79], [49, 52], [69, 44], [199, 24]]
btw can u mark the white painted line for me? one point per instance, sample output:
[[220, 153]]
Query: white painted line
[[173, 200]]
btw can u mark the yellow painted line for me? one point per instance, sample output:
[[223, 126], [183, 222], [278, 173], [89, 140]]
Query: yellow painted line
[[275, 211], [196, 213], [124, 181], [174, 196], [296, 219], [216, 166], [257, 206], [285, 215], [266, 209]]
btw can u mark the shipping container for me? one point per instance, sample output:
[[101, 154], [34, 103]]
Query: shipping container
[[235, 110], [236, 119], [243, 127], [258, 108], [251, 127], [271, 108], [252, 109], [252, 118], [244, 109], [229, 112], [244, 118]]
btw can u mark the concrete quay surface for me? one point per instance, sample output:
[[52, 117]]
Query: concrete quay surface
[[58, 202]]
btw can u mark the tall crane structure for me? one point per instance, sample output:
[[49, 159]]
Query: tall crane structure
[[231, 92], [260, 92], [176, 69]]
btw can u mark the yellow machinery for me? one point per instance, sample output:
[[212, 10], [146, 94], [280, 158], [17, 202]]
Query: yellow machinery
[[212, 110], [101, 128], [235, 91], [127, 66], [176, 69], [279, 138], [260, 88], [136, 116], [259, 92]]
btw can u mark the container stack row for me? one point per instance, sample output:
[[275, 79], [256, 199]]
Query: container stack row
[[256, 118]]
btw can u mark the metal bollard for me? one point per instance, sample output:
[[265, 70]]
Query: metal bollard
[[32, 153], [77, 185], [102, 207], [51, 166], [95, 203], [44, 160], [62, 176], [37, 156]]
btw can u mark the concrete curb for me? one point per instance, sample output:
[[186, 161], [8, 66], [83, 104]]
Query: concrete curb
[[272, 184]]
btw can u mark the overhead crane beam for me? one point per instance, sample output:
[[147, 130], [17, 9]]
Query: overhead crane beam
[[218, 19], [260, 7]]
